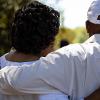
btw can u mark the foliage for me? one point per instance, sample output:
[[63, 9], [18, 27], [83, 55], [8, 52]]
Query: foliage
[[7, 9], [77, 35], [81, 35]]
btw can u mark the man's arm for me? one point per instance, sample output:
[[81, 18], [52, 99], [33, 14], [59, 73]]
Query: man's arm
[[59, 70], [43, 76], [17, 79]]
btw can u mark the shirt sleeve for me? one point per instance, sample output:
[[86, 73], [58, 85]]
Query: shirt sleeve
[[45, 76], [58, 71]]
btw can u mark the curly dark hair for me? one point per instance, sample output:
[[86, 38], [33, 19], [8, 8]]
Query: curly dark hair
[[34, 27]]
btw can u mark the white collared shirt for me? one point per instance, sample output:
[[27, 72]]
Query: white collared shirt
[[73, 69]]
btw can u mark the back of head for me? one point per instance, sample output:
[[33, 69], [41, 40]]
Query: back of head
[[93, 17], [34, 28]]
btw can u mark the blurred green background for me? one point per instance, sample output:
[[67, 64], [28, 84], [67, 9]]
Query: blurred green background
[[7, 9]]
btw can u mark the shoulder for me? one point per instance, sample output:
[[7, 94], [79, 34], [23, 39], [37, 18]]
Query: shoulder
[[73, 50], [66, 54]]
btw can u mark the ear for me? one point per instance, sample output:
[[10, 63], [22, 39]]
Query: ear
[[87, 26], [47, 50]]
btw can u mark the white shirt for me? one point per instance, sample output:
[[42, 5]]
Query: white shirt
[[8, 93], [74, 70]]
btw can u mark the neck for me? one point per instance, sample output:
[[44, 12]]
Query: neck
[[21, 57], [90, 34]]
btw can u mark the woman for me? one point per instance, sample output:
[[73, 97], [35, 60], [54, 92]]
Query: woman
[[33, 31]]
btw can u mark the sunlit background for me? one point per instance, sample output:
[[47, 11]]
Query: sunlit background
[[74, 12], [73, 16]]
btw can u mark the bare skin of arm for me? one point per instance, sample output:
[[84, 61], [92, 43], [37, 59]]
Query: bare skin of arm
[[94, 96]]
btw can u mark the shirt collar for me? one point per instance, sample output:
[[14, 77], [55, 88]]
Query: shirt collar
[[94, 38]]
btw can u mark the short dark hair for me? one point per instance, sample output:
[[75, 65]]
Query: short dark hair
[[34, 27]]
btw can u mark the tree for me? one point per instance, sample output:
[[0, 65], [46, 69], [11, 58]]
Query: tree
[[7, 9]]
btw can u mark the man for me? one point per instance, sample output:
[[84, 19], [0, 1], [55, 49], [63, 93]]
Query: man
[[74, 69]]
